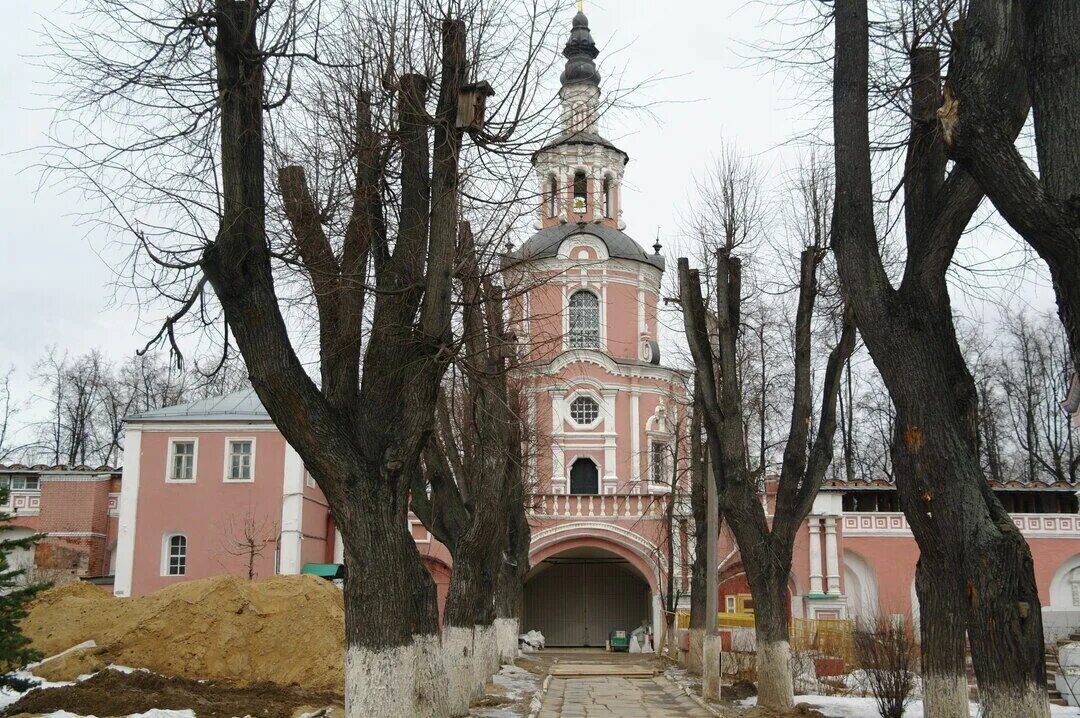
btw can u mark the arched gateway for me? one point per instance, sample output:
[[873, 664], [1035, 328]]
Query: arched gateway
[[576, 597]]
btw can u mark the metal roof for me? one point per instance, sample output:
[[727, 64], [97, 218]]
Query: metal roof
[[545, 243], [243, 405]]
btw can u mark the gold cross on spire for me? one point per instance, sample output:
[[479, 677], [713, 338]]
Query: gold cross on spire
[[581, 6]]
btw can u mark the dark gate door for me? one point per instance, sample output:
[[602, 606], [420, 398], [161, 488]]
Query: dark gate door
[[578, 602]]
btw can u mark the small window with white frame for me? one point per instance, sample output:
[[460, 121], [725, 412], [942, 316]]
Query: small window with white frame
[[174, 555], [658, 461], [584, 410], [182, 460], [240, 459]]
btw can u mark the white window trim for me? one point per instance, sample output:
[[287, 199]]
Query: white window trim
[[228, 454], [173, 441], [165, 540]]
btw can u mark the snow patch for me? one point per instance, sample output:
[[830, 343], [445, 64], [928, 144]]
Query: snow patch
[[862, 707]]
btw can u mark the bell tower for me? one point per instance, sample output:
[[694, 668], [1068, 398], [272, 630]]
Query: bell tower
[[580, 172]]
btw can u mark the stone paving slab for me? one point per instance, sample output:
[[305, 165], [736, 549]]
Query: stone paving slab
[[618, 697]]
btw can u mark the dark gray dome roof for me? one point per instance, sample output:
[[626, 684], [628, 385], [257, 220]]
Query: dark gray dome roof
[[580, 51], [545, 243]]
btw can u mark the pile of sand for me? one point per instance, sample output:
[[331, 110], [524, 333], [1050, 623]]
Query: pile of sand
[[284, 630]]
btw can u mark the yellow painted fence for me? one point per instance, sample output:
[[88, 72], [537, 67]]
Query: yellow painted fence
[[828, 636]]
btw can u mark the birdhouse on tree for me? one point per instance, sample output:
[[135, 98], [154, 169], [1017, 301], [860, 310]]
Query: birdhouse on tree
[[472, 104]]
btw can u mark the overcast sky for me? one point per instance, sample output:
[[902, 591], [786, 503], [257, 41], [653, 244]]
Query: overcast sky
[[56, 286]]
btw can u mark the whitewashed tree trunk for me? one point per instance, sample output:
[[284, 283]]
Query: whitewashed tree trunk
[[775, 686], [400, 682], [506, 633], [694, 655]]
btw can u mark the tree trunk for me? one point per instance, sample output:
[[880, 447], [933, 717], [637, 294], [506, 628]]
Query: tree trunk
[[769, 585], [393, 660], [941, 627]]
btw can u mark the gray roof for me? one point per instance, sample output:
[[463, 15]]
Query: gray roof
[[581, 137], [243, 405], [545, 243]]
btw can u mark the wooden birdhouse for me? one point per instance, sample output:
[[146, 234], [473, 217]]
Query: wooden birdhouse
[[472, 103]]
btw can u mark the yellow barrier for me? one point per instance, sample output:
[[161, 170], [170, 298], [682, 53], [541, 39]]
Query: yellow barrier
[[828, 636]]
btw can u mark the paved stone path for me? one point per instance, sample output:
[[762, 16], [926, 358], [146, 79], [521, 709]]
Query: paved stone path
[[618, 697]]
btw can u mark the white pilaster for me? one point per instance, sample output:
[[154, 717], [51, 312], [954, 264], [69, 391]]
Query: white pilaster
[[635, 438], [339, 547], [129, 505], [815, 555], [292, 513], [611, 478], [832, 558]]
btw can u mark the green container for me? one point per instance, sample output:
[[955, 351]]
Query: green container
[[619, 641]]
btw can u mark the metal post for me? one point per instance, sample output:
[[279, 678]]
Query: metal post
[[710, 654]]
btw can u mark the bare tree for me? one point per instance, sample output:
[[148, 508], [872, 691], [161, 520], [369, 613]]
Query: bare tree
[[975, 569], [765, 550], [1012, 59], [361, 115], [247, 537]]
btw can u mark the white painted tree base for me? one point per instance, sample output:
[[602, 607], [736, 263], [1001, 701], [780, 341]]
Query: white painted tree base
[[486, 649], [401, 682], [775, 685], [1033, 702], [945, 696], [506, 638], [460, 661]]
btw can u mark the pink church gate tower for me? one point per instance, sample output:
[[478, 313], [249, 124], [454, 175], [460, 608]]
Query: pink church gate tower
[[605, 415]]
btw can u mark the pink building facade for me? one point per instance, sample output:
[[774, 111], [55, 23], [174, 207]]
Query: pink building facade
[[212, 487]]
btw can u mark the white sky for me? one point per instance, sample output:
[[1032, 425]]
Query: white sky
[[56, 280]]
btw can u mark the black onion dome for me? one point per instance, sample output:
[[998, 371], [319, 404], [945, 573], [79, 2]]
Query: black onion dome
[[580, 51]]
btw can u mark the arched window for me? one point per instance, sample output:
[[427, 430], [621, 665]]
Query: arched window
[[584, 478], [1074, 586], [609, 207], [581, 192], [552, 197], [584, 321], [584, 410], [174, 555]]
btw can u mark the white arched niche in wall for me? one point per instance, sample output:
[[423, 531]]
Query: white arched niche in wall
[[1065, 586], [861, 586]]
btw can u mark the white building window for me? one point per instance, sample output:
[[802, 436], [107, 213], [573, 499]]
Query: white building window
[[608, 200], [182, 460], [584, 321], [552, 197], [239, 459], [174, 555], [584, 410], [20, 483]]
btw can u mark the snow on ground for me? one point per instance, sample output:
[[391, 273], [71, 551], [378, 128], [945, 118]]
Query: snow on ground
[[859, 707], [515, 684]]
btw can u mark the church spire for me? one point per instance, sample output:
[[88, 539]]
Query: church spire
[[580, 51]]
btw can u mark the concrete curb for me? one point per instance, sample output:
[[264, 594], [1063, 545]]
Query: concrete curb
[[538, 698], [694, 697]]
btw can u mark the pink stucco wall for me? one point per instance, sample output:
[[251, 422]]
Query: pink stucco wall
[[209, 511]]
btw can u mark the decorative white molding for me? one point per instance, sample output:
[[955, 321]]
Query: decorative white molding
[[895, 524]]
